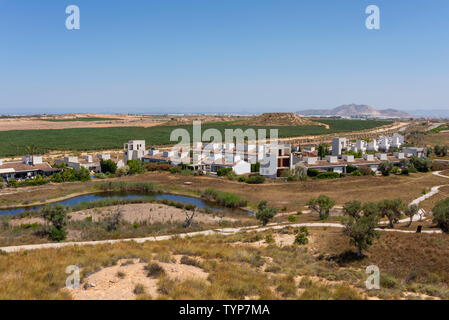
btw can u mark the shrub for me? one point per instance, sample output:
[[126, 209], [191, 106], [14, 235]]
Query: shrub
[[139, 289], [135, 166], [269, 239], [345, 292], [12, 183], [57, 216], [421, 164], [301, 237], [100, 176], [273, 269], [388, 281], [108, 166], [57, 234], [312, 172], [266, 215], [161, 166], [395, 170], [350, 168], [154, 270], [366, 171], [328, 175], [241, 179], [356, 173], [292, 218], [223, 171], [113, 220], [189, 261], [255, 179], [287, 286], [121, 274], [385, 167]]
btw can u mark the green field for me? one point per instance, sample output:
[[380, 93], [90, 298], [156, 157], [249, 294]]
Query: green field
[[80, 119], [13, 143]]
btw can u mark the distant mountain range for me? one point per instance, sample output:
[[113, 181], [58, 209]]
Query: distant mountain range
[[355, 111]]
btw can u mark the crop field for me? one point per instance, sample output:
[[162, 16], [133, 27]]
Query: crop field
[[13, 143]]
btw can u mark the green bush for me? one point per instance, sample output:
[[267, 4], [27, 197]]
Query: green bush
[[441, 215], [328, 175], [312, 172], [366, 171], [242, 179], [256, 179], [226, 199], [135, 166], [301, 236], [223, 171], [292, 218], [12, 183], [57, 234], [108, 166], [356, 173]]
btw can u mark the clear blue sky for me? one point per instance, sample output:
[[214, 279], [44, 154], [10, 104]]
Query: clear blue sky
[[222, 55]]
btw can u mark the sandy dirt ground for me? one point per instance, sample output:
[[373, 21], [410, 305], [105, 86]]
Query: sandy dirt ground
[[106, 284], [33, 123], [122, 120], [150, 212]]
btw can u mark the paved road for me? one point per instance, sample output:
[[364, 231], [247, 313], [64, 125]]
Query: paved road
[[228, 231]]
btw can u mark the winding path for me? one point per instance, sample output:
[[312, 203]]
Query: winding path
[[230, 231]]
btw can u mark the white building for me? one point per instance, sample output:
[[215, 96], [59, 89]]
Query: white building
[[338, 144], [360, 145], [372, 146], [134, 150], [384, 144]]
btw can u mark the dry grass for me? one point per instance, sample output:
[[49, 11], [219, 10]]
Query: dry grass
[[416, 263]]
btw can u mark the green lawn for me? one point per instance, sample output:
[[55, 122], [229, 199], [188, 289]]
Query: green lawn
[[14, 142]]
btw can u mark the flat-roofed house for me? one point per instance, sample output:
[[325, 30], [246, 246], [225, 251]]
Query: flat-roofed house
[[134, 150], [28, 168]]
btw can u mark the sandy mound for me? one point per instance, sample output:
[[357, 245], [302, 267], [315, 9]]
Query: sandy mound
[[106, 284]]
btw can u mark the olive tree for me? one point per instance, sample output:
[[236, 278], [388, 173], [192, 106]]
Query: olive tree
[[441, 215], [361, 231], [353, 208], [323, 204], [264, 213], [411, 211], [391, 209]]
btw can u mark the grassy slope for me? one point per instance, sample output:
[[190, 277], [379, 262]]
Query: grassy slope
[[79, 139], [407, 262]]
